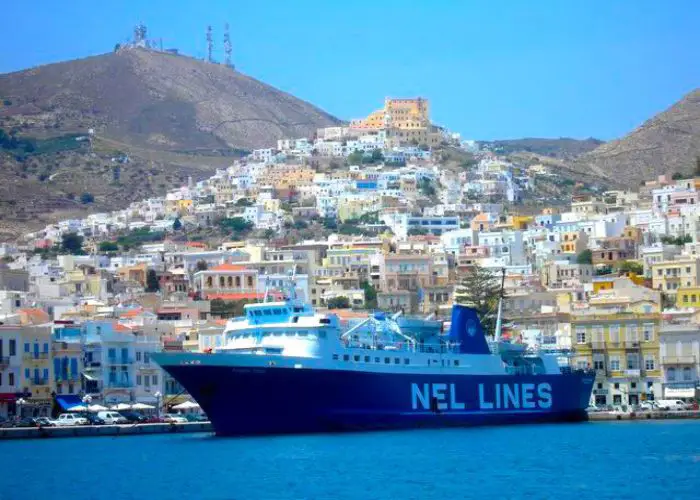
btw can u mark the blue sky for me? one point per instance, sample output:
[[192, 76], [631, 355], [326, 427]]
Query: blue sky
[[491, 69]]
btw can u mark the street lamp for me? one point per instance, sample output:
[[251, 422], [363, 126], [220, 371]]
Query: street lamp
[[87, 399], [20, 403], [158, 395]]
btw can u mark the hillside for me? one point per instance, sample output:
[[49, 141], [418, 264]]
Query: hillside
[[562, 148], [667, 143], [157, 119]]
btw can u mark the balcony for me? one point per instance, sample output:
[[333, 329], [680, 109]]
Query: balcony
[[113, 384], [120, 361], [631, 344], [597, 345], [633, 373], [71, 378], [39, 382], [36, 356], [600, 392], [678, 360]]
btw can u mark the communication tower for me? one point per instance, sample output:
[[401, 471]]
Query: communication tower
[[227, 46], [140, 35], [210, 44]]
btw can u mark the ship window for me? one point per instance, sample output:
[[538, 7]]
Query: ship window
[[356, 358], [346, 357], [367, 358], [335, 356], [456, 362], [406, 361], [377, 360], [387, 360], [397, 361], [267, 312]]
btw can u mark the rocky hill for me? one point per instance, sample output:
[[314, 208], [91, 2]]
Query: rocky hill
[[562, 148], [157, 119], [667, 143]]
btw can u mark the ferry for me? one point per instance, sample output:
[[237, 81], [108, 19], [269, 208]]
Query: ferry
[[287, 368]]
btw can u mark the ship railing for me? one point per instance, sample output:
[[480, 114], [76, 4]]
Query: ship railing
[[407, 346]]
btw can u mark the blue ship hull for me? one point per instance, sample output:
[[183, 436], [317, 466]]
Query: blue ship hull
[[275, 400]]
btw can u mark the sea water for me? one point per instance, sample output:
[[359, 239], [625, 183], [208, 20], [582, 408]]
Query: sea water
[[618, 460]]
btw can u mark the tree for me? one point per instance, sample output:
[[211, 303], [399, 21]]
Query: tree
[[585, 257], [370, 295], [72, 243], [152, 283], [426, 187], [243, 202], [356, 158], [108, 246], [377, 155], [629, 266], [228, 308], [417, 231], [177, 225], [237, 226], [480, 289], [86, 198], [677, 176], [697, 166], [202, 265], [338, 303]]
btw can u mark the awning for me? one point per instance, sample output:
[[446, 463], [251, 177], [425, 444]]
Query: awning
[[68, 401], [89, 377], [679, 392], [8, 397]]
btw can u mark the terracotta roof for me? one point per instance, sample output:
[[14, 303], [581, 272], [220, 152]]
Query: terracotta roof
[[344, 314], [34, 316], [118, 327], [196, 244], [132, 313], [229, 267], [234, 296]]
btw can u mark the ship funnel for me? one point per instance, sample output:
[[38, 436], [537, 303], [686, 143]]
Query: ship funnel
[[467, 330]]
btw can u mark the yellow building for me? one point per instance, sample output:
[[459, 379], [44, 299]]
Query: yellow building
[[670, 275], [623, 349], [288, 176], [36, 376], [354, 208], [688, 297], [401, 114]]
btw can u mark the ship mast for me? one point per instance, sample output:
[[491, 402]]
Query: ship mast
[[499, 316]]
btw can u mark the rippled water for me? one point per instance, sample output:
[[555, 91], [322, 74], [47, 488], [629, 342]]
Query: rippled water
[[617, 460]]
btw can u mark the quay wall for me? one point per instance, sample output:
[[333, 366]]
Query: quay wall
[[102, 430], [605, 416]]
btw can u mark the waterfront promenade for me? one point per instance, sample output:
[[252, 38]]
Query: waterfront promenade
[[190, 427], [103, 430]]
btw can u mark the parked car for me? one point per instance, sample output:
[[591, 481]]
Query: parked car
[[672, 405], [25, 422], [112, 417], [172, 418], [93, 419], [196, 417], [648, 406], [133, 417], [45, 422], [153, 419], [66, 419]]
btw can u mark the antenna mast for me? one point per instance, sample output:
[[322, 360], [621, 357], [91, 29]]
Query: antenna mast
[[210, 44], [227, 46]]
